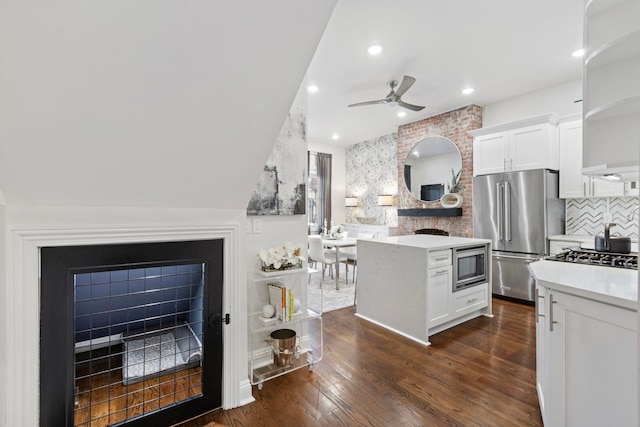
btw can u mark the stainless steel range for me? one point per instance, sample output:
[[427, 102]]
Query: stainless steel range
[[606, 259]]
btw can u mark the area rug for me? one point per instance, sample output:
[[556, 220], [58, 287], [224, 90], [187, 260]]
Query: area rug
[[328, 298]]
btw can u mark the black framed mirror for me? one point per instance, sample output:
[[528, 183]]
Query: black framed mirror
[[427, 168]]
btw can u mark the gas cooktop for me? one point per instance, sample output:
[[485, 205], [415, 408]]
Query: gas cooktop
[[605, 259]]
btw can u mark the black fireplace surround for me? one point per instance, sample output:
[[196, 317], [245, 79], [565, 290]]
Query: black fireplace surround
[[59, 266]]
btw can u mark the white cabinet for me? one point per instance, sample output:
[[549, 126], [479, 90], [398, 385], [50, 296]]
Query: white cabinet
[[490, 153], [469, 299], [573, 184], [523, 145], [307, 325], [542, 352], [587, 361], [439, 289], [611, 88]]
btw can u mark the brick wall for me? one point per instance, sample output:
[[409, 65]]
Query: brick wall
[[454, 125]]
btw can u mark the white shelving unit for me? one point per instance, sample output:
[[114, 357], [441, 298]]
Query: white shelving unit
[[611, 92], [306, 323]]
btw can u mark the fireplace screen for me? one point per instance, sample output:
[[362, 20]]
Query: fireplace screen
[[140, 333], [138, 341]]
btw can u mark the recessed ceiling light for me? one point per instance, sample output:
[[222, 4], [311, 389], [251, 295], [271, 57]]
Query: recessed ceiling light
[[335, 136], [578, 53], [375, 49], [402, 113], [312, 88], [467, 90]]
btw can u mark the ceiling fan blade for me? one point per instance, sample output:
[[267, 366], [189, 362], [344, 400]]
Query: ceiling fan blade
[[405, 84], [410, 106], [379, 101]]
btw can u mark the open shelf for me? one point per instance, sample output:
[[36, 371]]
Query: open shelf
[[266, 372], [258, 325], [430, 212], [621, 107], [613, 51], [306, 323]]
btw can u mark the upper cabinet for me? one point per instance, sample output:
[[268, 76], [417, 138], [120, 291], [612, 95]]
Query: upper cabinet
[[573, 184], [611, 91], [522, 145]]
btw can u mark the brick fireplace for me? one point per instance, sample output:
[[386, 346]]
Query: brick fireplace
[[454, 125]]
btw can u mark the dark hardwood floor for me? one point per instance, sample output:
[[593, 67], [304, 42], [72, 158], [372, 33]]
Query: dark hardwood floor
[[481, 373]]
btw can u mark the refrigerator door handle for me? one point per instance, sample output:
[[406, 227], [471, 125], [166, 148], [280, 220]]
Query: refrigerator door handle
[[507, 212], [499, 209]]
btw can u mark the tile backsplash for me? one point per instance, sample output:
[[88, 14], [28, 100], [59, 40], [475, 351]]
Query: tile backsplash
[[587, 216]]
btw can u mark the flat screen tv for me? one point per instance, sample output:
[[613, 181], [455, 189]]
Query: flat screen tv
[[431, 192]]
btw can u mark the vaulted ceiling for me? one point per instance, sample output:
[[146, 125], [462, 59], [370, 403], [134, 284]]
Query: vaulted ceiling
[[150, 102]]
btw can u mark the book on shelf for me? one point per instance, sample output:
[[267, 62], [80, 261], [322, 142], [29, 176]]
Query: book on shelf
[[282, 299]]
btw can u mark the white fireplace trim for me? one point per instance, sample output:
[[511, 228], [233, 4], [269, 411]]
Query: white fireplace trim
[[22, 385]]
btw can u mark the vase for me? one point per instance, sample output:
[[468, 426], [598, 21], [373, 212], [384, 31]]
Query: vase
[[270, 270], [451, 200]]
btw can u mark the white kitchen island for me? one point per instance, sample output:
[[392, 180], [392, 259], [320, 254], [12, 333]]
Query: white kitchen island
[[405, 284]]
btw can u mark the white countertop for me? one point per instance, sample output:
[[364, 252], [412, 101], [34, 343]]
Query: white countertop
[[428, 241], [617, 286]]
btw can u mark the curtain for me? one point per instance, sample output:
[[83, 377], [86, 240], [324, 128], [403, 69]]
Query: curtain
[[323, 168]]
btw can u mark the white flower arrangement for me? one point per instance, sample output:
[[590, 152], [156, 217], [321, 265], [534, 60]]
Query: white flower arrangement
[[283, 257], [340, 229]]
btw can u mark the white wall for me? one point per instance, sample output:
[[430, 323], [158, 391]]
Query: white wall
[[3, 312], [558, 99], [337, 178]]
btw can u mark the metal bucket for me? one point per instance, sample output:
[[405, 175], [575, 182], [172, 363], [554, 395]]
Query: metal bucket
[[284, 346]]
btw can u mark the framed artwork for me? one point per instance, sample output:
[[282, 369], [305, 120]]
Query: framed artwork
[[281, 187]]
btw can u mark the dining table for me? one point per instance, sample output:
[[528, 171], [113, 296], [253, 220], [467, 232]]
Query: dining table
[[345, 242]]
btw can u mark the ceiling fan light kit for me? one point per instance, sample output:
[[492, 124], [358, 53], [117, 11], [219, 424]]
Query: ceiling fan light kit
[[393, 98]]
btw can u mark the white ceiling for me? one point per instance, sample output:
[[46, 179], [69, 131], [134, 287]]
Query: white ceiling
[[502, 48], [147, 103]]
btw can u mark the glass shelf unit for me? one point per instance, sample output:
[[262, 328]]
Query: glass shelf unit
[[306, 323]]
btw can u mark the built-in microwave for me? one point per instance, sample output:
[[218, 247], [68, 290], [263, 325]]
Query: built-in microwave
[[469, 266]]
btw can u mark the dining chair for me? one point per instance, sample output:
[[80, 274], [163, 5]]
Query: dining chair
[[317, 253]]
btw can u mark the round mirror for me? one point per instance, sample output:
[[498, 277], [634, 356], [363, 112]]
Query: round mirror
[[427, 169]]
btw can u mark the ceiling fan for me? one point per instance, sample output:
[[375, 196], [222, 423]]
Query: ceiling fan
[[395, 95]]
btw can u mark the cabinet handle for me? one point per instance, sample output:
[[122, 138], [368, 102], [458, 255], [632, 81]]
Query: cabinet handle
[[442, 258], [469, 301], [442, 271], [511, 163], [538, 297], [504, 165], [551, 321]]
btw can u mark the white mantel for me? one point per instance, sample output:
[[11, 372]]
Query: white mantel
[[29, 229]]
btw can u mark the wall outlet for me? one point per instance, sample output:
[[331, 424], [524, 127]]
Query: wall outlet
[[607, 217], [257, 226]]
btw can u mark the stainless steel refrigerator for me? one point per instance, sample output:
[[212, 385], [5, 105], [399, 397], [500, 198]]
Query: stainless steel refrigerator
[[517, 211]]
